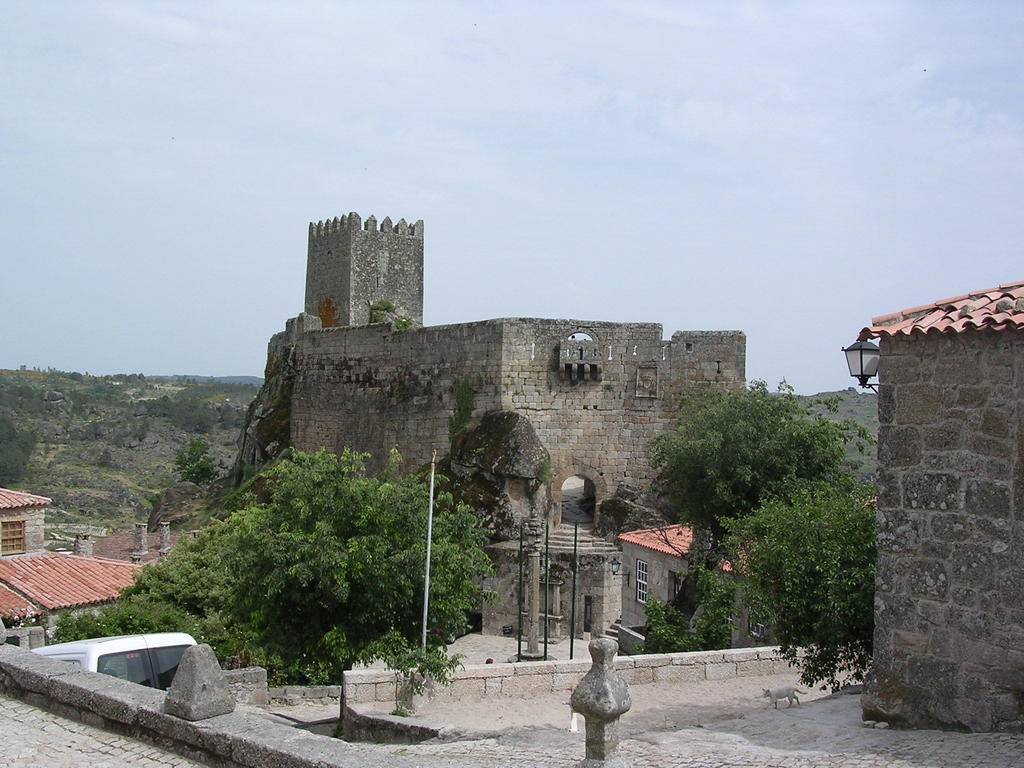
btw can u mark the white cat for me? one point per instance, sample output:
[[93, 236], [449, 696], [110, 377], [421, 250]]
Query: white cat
[[789, 692]]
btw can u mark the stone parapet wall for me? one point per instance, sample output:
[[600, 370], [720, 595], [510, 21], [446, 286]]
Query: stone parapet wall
[[241, 739], [541, 677], [949, 617]]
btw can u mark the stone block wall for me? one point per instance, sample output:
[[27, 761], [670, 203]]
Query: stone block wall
[[949, 615], [531, 678], [594, 580], [34, 519], [372, 388]]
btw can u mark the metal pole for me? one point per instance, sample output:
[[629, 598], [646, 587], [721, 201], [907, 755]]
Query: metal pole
[[575, 568], [547, 586], [430, 530], [519, 613]]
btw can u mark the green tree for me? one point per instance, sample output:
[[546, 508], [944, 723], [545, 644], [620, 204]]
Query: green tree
[[730, 450], [15, 449], [194, 463], [669, 630], [315, 574], [809, 562]]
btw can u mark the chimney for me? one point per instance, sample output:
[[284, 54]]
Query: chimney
[[83, 545], [165, 540], [141, 543]]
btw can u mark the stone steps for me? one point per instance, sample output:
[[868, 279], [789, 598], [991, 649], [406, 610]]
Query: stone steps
[[562, 539]]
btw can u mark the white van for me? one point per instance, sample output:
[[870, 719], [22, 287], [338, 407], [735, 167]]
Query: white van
[[149, 660]]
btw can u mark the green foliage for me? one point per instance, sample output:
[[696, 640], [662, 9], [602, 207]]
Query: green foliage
[[710, 628], [809, 561], [465, 399], [383, 311], [15, 449], [413, 665], [194, 463], [309, 581], [732, 449], [544, 474]]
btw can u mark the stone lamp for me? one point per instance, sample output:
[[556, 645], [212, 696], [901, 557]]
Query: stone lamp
[[862, 359]]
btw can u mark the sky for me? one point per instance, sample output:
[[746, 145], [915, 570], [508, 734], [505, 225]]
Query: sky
[[786, 169]]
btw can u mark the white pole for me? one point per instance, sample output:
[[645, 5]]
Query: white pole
[[430, 527]]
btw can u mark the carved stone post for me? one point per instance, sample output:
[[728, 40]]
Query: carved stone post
[[533, 630], [602, 697]]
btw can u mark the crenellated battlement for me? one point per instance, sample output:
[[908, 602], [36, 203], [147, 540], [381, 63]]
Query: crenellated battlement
[[353, 222]]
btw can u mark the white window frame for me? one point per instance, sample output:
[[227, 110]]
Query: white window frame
[[641, 580]]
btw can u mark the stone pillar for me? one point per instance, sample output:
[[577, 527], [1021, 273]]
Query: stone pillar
[[602, 697], [199, 690], [165, 540], [599, 619], [83, 545], [141, 543], [533, 650]]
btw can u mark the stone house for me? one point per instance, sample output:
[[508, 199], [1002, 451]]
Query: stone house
[[40, 585], [949, 601], [654, 562]]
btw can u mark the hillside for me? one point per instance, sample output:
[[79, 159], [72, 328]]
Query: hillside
[[104, 445], [861, 407]]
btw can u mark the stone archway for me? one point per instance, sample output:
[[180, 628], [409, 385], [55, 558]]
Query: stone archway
[[578, 500], [582, 485]]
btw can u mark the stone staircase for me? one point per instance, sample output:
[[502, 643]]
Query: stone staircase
[[587, 544]]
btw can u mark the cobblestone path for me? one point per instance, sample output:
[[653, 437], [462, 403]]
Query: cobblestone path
[[34, 738]]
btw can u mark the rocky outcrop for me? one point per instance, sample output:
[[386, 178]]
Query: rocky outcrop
[[180, 502], [499, 467], [630, 509], [267, 429]]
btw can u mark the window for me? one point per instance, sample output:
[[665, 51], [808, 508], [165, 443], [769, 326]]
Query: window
[[641, 581], [165, 660], [12, 537], [128, 665]]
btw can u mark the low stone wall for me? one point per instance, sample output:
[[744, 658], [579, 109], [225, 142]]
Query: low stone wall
[[305, 694], [237, 740], [248, 685], [539, 677]]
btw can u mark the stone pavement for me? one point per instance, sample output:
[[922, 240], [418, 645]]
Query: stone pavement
[[826, 733], [34, 738]]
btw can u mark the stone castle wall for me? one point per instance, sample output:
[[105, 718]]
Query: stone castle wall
[[372, 388], [949, 616]]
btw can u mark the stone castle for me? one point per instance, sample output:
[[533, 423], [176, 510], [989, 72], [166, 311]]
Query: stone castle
[[595, 392]]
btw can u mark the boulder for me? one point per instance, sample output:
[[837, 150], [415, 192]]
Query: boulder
[[177, 503], [499, 467]]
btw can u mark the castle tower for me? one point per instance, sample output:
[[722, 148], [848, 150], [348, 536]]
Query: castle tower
[[351, 265]]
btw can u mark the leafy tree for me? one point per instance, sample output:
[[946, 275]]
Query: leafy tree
[[334, 561], [809, 561], [315, 574], [194, 463], [669, 630], [730, 450], [15, 449]]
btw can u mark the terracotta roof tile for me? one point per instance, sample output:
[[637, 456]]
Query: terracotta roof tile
[[15, 606], [15, 499], [998, 309], [54, 581], [668, 539]]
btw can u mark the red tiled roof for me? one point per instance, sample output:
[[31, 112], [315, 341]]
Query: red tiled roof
[[120, 546], [53, 581], [668, 539], [15, 606], [15, 499], [999, 309]]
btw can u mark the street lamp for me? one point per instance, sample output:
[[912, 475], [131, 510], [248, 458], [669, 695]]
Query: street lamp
[[862, 359]]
